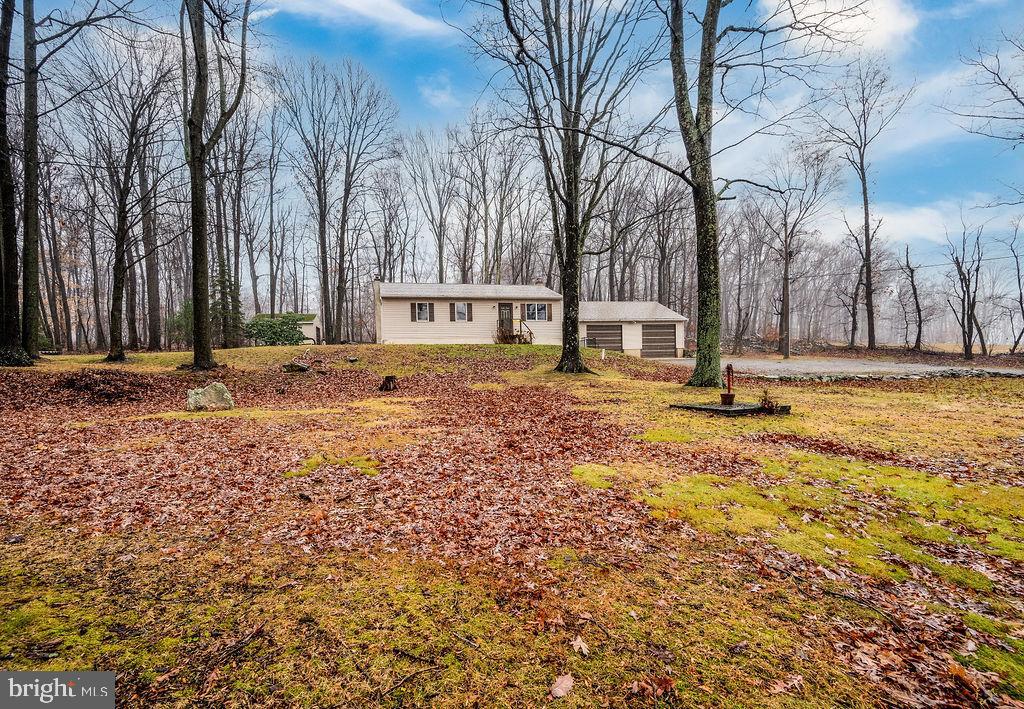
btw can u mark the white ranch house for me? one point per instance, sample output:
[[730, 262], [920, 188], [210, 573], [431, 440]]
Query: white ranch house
[[459, 313]]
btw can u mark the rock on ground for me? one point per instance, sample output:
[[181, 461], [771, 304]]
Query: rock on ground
[[214, 397]]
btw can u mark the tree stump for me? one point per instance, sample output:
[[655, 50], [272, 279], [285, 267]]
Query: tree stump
[[390, 383]]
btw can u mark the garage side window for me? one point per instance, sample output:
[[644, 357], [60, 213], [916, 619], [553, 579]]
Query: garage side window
[[536, 311]]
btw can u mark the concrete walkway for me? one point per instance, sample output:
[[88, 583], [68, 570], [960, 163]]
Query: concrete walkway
[[811, 367]]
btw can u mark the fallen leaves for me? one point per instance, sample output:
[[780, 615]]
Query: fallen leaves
[[561, 686]]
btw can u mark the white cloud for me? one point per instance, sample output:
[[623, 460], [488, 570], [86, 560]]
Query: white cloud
[[437, 90], [927, 222], [926, 120], [880, 25], [391, 14]]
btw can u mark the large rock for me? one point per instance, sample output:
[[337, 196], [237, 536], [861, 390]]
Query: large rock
[[214, 397]]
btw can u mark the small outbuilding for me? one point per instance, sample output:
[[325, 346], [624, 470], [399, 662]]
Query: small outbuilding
[[639, 328]]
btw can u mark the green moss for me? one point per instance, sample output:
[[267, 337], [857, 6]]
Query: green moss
[[985, 624], [594, 475], [1008, 665], [361, 463]]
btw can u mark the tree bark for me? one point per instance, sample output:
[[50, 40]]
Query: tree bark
[[30, 209], [869, 284], [150, 257], [696, 130], [10, 317]]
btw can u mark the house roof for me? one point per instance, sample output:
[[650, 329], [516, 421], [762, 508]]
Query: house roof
[[469, 291], [626, 311]]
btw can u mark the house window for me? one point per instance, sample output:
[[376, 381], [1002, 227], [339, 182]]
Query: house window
[[536, 311], [461, 312], [422, 312]]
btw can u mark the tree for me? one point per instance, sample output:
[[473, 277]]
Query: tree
[[198, 147], [800, 183], [574, 64], [120, 121], [997, 111], [771, 42], [854, 114], [429, 158], [311, 97], [967, 256], [11, 350], [66, 29], [910, 273], [368, 115], [1016, 308]]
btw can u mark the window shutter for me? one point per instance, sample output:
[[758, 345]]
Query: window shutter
[[451, 311], [412, 311], [430, 309], [522, 311], [551, 306], [469, 312]]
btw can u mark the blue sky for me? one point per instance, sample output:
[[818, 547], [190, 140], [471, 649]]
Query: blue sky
[[924, 170]]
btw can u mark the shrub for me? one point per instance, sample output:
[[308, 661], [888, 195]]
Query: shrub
[[279, 330]]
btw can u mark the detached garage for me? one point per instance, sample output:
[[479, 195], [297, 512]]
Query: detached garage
[[642, 329]]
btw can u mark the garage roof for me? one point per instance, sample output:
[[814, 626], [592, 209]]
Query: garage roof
[[469, 291], [627, 311]]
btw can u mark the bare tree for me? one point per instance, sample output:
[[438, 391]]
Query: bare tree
[[367, 117], [1016, 307], [768, 43], [909, 271], [997, 110], [199, 143], [855, 112], [801, 184], [11, 350], [429, 159], [967, 256], [574, 65], [121, 121]]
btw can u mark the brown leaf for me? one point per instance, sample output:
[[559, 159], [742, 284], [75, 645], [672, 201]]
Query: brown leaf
[[561, 686], [579, 646]]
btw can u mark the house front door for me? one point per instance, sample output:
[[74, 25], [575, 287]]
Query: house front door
[[505, 316]]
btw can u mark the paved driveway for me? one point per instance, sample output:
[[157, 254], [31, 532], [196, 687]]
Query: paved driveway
[[836, 366]]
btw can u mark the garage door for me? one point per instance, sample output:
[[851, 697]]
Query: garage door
[[659, 341], [606, 337]]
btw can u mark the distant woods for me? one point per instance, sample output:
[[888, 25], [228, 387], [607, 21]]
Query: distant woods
[[165, 178]]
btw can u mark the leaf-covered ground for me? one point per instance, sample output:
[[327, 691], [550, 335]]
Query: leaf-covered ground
[[493, 534]]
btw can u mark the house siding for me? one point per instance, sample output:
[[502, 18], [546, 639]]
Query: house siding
[[395, 325]]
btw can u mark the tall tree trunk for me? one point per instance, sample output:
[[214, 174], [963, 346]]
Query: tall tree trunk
[[869, 283], [116, 350], [571, 361], [58, 268], [30, 209], [101, 338], [202, 345], [785, 316], [696, 129], [855, 307], [132, 286], [150, 257], [10, 317]]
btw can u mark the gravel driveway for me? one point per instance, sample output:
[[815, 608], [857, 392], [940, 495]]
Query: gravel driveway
[[838, 367]]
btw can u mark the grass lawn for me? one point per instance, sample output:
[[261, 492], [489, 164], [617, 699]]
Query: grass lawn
[[492, 529]]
